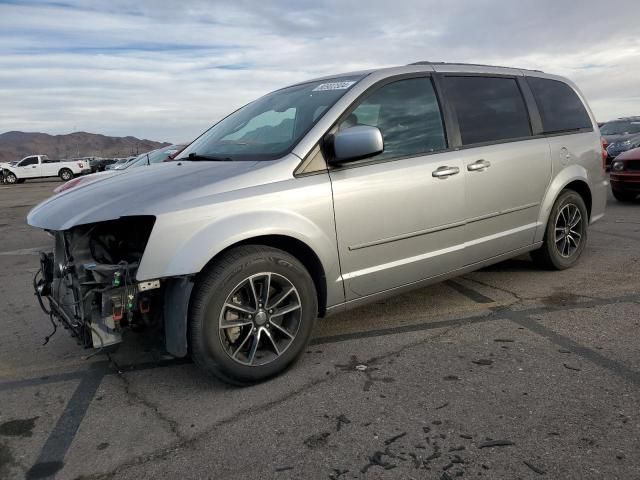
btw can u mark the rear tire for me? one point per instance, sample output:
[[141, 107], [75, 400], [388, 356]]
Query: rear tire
[[243, 325], [65, 174], [622, 196], [566, 233]]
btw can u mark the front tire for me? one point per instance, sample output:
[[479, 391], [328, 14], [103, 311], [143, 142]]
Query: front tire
[[11, 178], [251, 314], [566, 233], [65, 174]]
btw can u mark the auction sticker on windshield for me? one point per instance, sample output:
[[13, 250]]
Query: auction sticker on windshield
[[333, 86]]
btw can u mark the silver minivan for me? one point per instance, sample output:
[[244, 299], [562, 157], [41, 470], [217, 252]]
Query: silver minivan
[[319, 197]]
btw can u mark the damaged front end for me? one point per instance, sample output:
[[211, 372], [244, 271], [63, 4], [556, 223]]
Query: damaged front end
[[89, 281]]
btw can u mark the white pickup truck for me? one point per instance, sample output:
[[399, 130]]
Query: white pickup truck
[[40, 166]]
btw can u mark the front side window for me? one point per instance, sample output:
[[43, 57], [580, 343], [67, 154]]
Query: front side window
[[29, 161], [559, 105], [489, 109], [408, 116], [271, 126]]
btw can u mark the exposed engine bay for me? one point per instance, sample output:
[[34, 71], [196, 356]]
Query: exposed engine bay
[[89, 281]]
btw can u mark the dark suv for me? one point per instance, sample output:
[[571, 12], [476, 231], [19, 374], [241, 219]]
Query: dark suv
[[621, 135]]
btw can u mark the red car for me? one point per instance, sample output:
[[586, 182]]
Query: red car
[[625, 175]]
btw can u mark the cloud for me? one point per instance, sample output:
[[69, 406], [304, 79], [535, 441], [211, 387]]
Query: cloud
[[169, 69]]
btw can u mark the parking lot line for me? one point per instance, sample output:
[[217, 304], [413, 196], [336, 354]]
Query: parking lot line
[[52, 454], [614, 367], [499, 312], [469, 292]]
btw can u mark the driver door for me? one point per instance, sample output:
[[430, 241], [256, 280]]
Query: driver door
[[398, 221], [29, 168]]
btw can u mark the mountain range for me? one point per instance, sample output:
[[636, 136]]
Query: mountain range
[[16, 145]]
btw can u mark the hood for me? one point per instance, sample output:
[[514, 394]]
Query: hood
[[621, 138], [633, 154], [153, 190], [75, 182]]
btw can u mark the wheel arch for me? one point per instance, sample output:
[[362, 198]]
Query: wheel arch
[[582, 188], [296, 248], [573, 178], [62, 169], [178, 294]]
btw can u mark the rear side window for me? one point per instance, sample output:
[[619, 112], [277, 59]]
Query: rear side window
[[408, 116], [489, 109], [560, 108]]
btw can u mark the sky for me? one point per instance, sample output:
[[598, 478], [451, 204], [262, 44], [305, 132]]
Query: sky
[[167, 70]]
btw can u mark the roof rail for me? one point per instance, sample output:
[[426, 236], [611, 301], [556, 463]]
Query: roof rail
[[426, 62]]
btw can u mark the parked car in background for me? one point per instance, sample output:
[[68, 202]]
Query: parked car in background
[[40, 166], [4, 165], [159, 155], [322, 196], [625, 176], [100, 164], [155, 156], [620, 135], [120, 163]]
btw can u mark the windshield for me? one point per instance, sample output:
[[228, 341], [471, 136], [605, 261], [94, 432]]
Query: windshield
[[271, 126], [620, 128]]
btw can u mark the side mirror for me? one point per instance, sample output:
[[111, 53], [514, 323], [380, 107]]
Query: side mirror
[[355, 143]]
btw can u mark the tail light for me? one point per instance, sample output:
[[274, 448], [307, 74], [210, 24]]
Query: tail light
[[68, 185], [605, 155]]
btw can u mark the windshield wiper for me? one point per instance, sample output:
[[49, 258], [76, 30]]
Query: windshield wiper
[[207, 158]]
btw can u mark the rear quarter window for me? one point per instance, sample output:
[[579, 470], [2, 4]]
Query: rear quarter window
[[560, 107]]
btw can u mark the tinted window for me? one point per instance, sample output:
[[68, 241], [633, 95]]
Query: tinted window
[[29, 161], [488, 109], [408, 115], [560, 107]]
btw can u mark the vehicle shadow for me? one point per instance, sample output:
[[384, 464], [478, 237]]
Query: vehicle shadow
[[518, 264]]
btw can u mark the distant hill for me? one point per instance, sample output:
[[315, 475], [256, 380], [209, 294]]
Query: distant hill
[[16, 145]]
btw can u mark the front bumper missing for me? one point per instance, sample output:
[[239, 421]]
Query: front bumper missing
[[63, 300]]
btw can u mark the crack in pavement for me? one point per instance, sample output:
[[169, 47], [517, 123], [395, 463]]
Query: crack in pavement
[[494, 313], [520, 299], [186, 442], [136, 397]]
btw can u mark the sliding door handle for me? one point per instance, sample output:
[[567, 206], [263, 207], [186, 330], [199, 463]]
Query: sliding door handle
[[444, 172], [478, 166]]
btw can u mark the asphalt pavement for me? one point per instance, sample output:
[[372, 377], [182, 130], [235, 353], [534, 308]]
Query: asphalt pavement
[[510, 372]]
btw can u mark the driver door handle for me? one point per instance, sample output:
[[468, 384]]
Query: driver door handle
[[444, 172], [478, 165]]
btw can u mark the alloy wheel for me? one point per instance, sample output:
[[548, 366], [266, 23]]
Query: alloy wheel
[[260, 319], [568, 230]]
